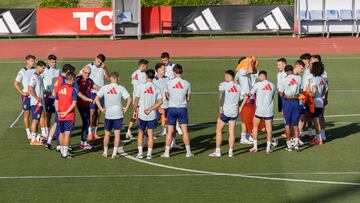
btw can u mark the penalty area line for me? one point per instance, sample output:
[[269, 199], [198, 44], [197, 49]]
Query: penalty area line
[[239, 175]]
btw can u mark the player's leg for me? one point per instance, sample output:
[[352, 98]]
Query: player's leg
[[51, 136], [108, 126], [184, 121], [150, 142], [140, 139], [43, 125], [295, 118], [250, 120], [322, 125], [85, 118], [244, 114], [287, 111], [316, 118], [171, 122], [96, 123], [116, 143], [26, 107], [66, 144], [268, 127], [219, 128], [50, 109], [256, 122], [36, 114], [232, 125]]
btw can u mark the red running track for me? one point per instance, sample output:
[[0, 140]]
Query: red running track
[[17, 49]]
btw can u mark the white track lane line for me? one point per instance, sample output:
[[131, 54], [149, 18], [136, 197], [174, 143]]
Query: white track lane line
[[240, 175]]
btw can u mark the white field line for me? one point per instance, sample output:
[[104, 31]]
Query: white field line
[[240, 175], [186, 59]]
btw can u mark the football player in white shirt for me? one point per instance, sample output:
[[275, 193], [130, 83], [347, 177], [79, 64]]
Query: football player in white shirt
[[264, 91], [114, 111], [299, 67], [50, 74], [305, 84], [229, 100], [178, 92], [137, 77], [148, 98], [319, 89], [24, 77], [165, 58], [161, 81], [36, 90], [317, 58], [289, 90], [281, 63], [99, 71]]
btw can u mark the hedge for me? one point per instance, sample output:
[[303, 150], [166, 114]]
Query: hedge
[[271, 1], [58, 3]]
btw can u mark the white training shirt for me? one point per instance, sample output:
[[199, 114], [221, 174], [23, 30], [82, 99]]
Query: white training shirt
[[264, 91], [137, 78], [290, 85], [36, 82], [306, 79], [113, 93], [24, 77], [50, 74], [178, 90], [231, 98], [280, 76], [244, 81], [321, 85], [97, 75], [161, 83], [148, 94], [169, 71]]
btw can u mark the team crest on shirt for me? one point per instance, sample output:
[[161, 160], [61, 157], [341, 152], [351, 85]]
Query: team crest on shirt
[[178, 86], [293, 82], [322, 83], [149, 91], [267, 87], [233, 89], [112, 91]]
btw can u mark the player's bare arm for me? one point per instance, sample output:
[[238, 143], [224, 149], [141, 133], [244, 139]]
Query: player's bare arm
[[97, 102], [136, 104], [84, 98], [155, 107], [17, 87], [221, 94], [126, 108], [106, 71]]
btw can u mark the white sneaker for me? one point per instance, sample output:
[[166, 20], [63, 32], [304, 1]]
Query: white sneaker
[[268, 150], [113, 156], [188, 155], [120, 150], [163, 132], [173, 145], [164, 155], [249, 137], [104, 155], [301, 143], [129, 135], [139, 156], [323, 137], [296, 148], [28, 136], [245, 141], [149, 157], [178, 129], [231, 154], [215, 154]]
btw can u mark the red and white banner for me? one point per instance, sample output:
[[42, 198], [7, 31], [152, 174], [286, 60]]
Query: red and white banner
[[74, 21]]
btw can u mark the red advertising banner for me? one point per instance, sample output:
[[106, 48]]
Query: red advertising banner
[[74, 21], [152, 17]]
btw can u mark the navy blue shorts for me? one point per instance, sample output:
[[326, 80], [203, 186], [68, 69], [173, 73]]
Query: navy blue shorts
[[25, 102], [142, 125], [113, 124], [226, 119], [66, 126], [49, 105], [280, 103], [56, 118], [265, 118], [36, 112], [94, 106], [302, 108], [291, 112], [317, 113], [179, 114]]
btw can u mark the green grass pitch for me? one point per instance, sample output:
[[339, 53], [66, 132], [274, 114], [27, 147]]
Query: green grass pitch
[[92, 178]]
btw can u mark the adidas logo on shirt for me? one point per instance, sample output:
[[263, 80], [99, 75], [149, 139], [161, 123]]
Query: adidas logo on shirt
[[178, 86], [322, 82], [112, 91], [136, 77], [233, 89], [267, 87], [293, 82], [149, 91]]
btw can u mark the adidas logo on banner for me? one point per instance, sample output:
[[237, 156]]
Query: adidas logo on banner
[[8, 24], [206, 21], [274, 21]]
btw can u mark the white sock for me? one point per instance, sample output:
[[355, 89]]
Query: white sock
[[149, 152], [140, 149], [66, 149], [49, 140], [188, 150], [323, 135], [296, 141], [318, 137], [27, 130], [90, 130], [95, 129], [243, 136], [217, 150], [268, 145], [106, 150], [231, 150], [33, 136], [43, 131], [121, 149], [167, 150], [129, 131], [288, 144], [47, 130], [115, 151], [58, 147], [255, 144]]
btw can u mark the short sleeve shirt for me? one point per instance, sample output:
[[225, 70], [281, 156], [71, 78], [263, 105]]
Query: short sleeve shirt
[[148, 94], [321, 85], [161, 83], [36, 82], [178, 89], [24, 76], [113, 93], [264, 91], [230, 99], [290, 85]]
